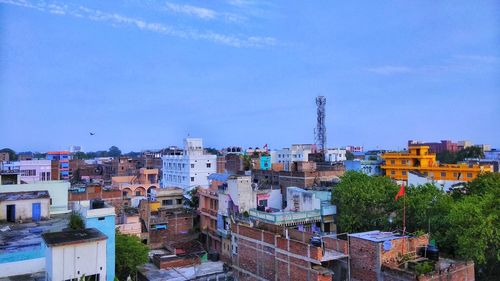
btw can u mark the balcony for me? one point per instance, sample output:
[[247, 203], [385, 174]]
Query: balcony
[[283, 218], [225, 233], [328, 210]]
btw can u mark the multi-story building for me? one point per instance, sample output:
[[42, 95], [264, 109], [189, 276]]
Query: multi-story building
[[354, 148], [208, 211], [164, 223], [137, 187], [436, 147], [335, 155], [269, 252], [191, 169], [60, 171], [298, 152], [30, 171], [419, 159]]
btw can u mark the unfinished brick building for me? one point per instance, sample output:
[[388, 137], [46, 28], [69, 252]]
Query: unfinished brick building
[[379, 255], [165, 226], [276, 253]]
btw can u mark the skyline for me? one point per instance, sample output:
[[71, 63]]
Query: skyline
[[145, 74]]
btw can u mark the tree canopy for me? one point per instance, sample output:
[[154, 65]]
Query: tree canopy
[[130, 253], [11, 152], [465, 226], [349, 155], [114, 152], [448, 157]]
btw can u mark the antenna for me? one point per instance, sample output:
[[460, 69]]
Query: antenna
[[320, 131]]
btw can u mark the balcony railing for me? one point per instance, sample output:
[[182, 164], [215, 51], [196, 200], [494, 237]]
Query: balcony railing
[[286, 217], [224, 232]]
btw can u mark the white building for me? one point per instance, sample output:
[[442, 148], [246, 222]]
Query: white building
[[298, 152], [31, 171], [75, 253], [245, 196], [191, 169], [335, 155]]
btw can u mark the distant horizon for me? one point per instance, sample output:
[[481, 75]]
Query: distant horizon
[[223, 147], [145, 74]]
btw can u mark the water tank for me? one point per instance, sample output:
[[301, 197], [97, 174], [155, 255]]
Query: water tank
[[430, 252], [316, 241], [97, 204]]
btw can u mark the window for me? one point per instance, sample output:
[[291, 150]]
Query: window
[[263, 203], [403, 162], [192, 166], [469, 175], [403, 173], [209, 165], [137, 193], [167, 202], [392, 162], [192, 179], [393, 172], [179, 201], [443, 174]]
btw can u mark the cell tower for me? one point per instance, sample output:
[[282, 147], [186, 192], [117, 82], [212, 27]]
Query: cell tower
[[320, 131]]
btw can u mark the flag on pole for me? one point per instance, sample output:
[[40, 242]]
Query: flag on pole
[[401, 193]]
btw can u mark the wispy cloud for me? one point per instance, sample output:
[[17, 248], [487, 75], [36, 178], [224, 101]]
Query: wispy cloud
[[390, 70], [161, 28], [199, 12], [202, 12]]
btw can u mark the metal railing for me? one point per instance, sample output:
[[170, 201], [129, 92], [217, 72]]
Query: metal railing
[[286, 217]]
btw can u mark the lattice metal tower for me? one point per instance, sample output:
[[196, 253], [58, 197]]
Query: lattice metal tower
[[320, 131]]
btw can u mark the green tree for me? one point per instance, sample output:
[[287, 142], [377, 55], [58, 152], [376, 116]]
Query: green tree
[[365, 202], [213, 151], [79, 155], [470, 152], [130, 252], [194, 201], [114, 152], [426, 205], [446, 157], [12, 153], [247, 162], [349, 155], [76, 222]]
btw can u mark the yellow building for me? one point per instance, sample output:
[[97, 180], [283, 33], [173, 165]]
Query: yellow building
[[397, 165]]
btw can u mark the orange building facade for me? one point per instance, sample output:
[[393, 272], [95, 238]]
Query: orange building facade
[[419, 159]]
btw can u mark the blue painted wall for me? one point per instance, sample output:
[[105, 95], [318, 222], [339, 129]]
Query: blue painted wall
[[265, 162], [106, 226], [368, 167]]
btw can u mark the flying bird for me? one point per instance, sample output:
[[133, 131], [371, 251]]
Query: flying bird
[[91, 133]]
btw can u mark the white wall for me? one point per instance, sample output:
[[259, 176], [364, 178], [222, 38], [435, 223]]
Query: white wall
[[39, 166], [22, 267], [87, 258], [188, 171], [58, 192], [241, 192], [335, 155], [299, 200], [24, 208]]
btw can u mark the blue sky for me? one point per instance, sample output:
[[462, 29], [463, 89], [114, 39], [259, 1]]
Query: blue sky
[[145, 74]]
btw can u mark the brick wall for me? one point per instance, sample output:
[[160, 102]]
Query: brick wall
[[264, 254], [364, 261], [172, 262]]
